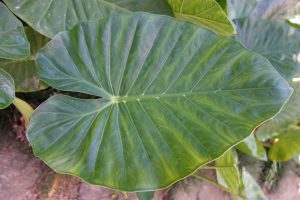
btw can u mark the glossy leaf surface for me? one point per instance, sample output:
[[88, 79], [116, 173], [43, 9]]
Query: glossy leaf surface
[[7, 91], [50, 16], [228, 173], [278, 42], [24, 71], [13, 42], [206, 13], [175, 97]]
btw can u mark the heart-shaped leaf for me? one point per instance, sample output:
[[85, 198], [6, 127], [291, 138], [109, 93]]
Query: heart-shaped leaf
[[24, 70], [13, 42], [175, 97], [7, 90], [206, 13], [278, 42], [50, 17]]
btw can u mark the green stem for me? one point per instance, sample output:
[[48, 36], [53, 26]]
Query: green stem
[[25, 109]]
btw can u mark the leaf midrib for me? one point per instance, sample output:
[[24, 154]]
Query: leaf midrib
[[117, 99]]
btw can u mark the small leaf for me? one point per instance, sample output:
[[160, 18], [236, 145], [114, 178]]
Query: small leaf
[[207, 13], [278, 42], [251, 189], [7, 90], [228, 175], [50, 17], [286, 145], [253, 147], [25, 109], [13, 42], [172, 100], [24, 71], [145, 195]]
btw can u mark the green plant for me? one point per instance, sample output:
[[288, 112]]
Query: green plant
[[167, 95]]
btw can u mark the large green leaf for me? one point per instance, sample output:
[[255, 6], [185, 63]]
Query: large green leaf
[[253, 147], [13, 42], [286, 145], [228, 173], [206, 13], [7, 90], [24, 71], [50, 16], [175, 97], [278, 42]]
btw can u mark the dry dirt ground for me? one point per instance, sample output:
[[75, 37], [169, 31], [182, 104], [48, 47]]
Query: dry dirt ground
[[24, 177]]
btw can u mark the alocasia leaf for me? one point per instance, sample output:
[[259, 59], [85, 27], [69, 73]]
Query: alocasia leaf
[[51, 16], [174, 97], [286, 146], [13, 42], [24, 71], [228, 173], [206, 13], [278, 42], [7, 90]]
